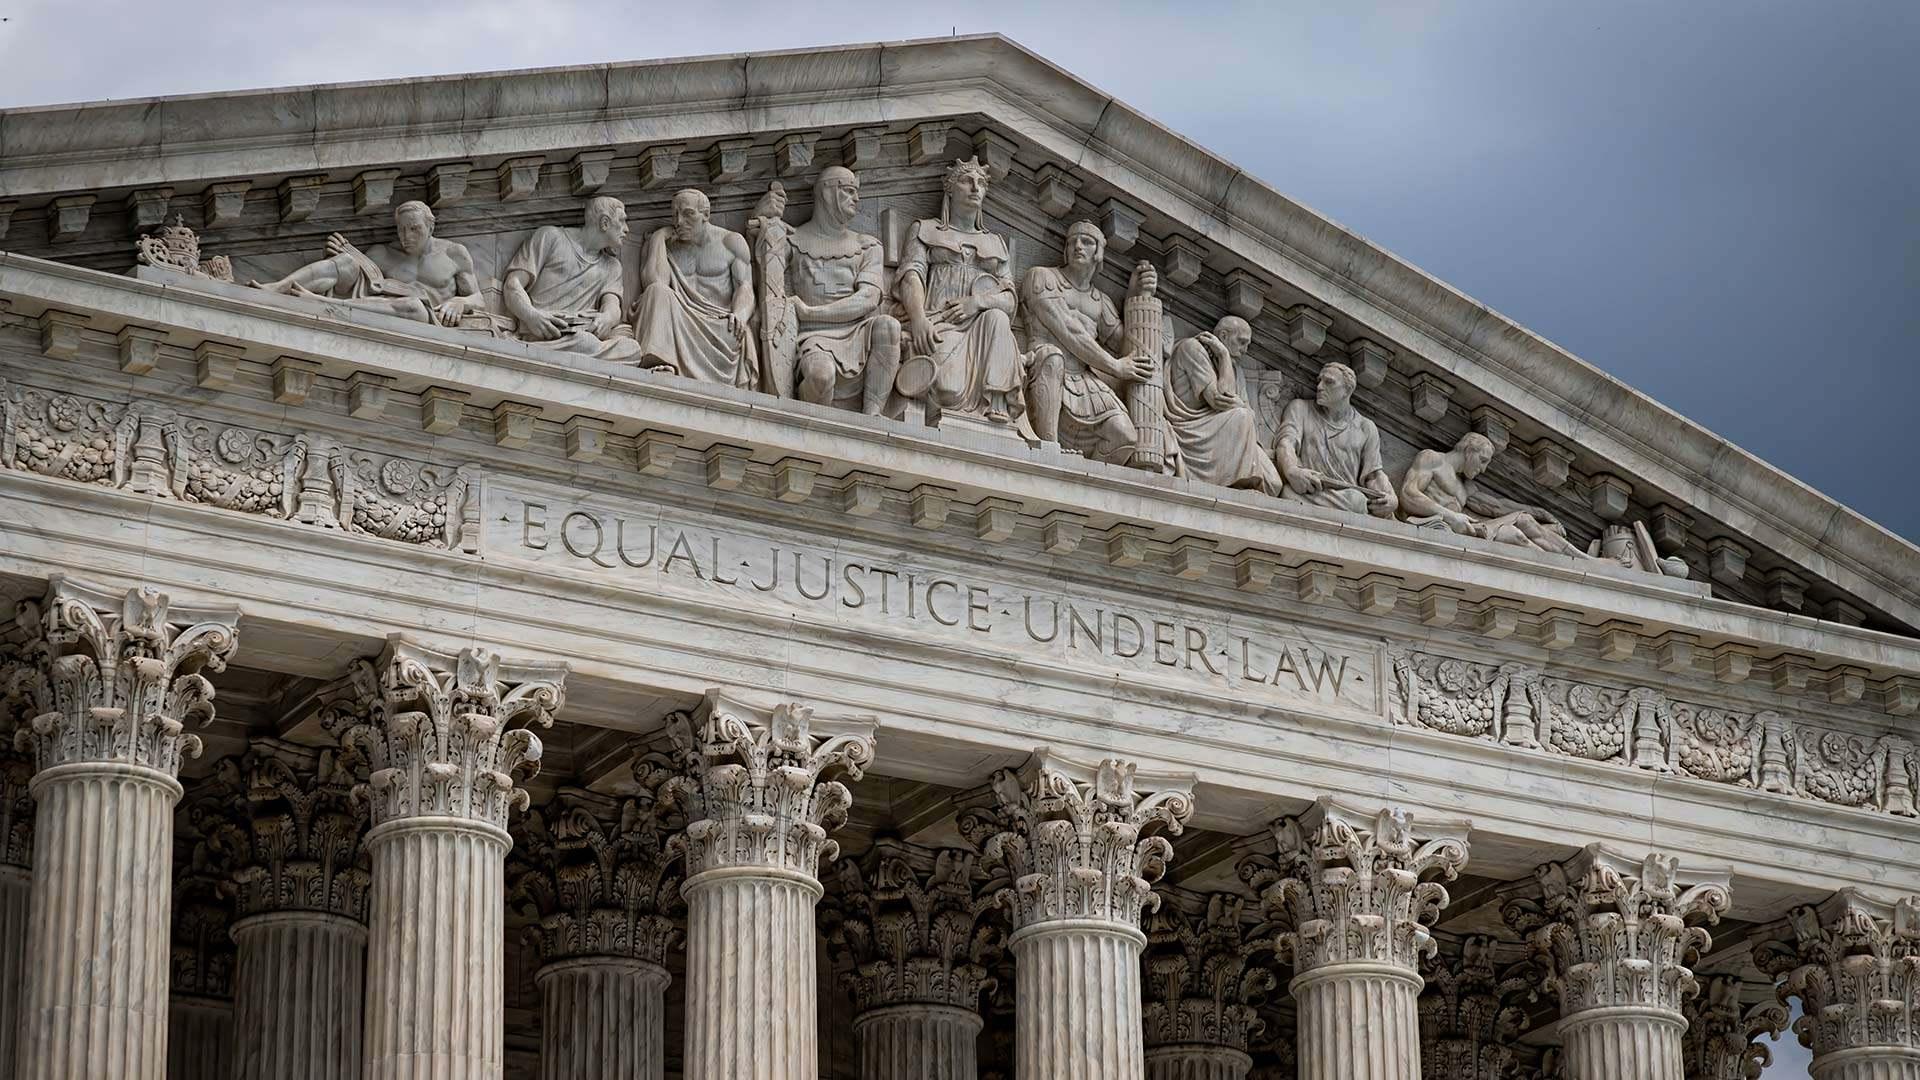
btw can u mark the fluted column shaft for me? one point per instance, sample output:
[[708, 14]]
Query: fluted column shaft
[[1078, 1016], [1197, 1061], [602, 1018], [1623, 1040], [298, 987], [436, 963], [16, 891], [1359, 1021], [1868, 1063], [98, 942], [751, 989], [918, 1042], [199, 1038]]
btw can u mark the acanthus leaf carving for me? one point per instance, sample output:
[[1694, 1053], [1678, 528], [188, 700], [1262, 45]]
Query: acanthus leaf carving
[[307, 834], [1853, 963], [913, 927], [1473, 1010], [1723, 1039], [1201, 980]]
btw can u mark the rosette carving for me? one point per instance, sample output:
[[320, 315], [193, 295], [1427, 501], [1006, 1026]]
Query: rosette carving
[[1201, 984], [598, 875], [1066, 842], [1615, 933], [754, 784], [116, 678], [1347, 887], [305, 833], [446, 734], [1854, 964], [1723, 1035], [1473, 1008], [912, 928]]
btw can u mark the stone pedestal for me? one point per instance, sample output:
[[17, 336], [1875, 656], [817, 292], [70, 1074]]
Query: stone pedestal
[[758, 814], [298, 989], [918, 1042], [1074, 839], [1853, 962], [602, 1018], [1614, 933], [1349, 886]]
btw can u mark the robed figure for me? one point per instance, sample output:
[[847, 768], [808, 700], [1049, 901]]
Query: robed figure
[[696, 300], [1219, 436]]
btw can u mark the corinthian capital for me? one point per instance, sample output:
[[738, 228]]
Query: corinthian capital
[[1201, 984], [1474, 1008], [1346, 886], [1723, 1034], [1615, 932], [447, 733], [1854, 963], [598, 874], [1064, 841], [754, 783], [305, 833], [912, 926], [109, 677]]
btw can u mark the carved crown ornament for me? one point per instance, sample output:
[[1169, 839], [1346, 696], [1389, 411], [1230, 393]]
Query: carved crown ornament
[[760, 786], [1726, 1038], [912, 926], [304, 829], [1473, 1010], [446, 734], [1347, 886], [1068, 841], [116, 678], [1853, 964], [1204, 978]]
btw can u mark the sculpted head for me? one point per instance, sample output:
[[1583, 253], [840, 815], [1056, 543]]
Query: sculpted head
[[1335, 387], [1235, 334], [691, 212], [966, 184], [1476, 453], [413, 225], [836, 195], [1085, 246], [606, 224]]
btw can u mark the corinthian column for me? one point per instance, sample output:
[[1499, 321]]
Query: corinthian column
[[1854, 964], [1201, 988], [1615, 937], [759, 808], [112, 682], [594, 872], [1346, 888], [909, 923], [299, 979], [1723, 1034], [1473, 1006], [443, 742], [1074, 866], [16, 885]]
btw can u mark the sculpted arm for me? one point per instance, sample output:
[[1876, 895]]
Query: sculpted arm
[[1047, 304], [1416, 500], [1381, 499], [1286, 452], [534, 324], [653, 262], [862, 302], [911, 290], [740, 265], [466, 286], [1486, 504]]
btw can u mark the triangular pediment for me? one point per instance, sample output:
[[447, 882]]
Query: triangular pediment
[[264, 177]]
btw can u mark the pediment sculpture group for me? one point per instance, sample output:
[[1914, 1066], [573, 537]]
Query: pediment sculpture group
[[805, 312]]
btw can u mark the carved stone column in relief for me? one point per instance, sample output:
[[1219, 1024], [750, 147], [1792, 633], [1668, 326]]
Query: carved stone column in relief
[[1723, 1034], [912, 932], [1202, 987], [210, 841], [444, 736], [111, 682], [598, 879], [299, 979], [1615, 936], [1074, 864], [756, 790], [1854, 964], [1473, 1008], [16, 880], [1346, 891]]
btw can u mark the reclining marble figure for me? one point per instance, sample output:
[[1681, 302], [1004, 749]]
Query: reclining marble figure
[[563, 286], [832, 345], [419, 276], [1077, 356], [1328, 454], [1218, 434], [1440, 492], [956, 299], [696, 299]]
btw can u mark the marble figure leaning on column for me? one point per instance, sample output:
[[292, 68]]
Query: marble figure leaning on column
[[1329, 455], [419, 276], [696, 299], [956, 300], [1439, 492], [1077, 359], [1218, 434], [845, 350], [563, 286]]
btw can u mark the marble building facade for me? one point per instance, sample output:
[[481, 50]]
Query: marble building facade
[[882, 562]]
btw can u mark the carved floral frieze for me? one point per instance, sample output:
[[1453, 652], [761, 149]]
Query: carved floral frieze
[[1645, 728]]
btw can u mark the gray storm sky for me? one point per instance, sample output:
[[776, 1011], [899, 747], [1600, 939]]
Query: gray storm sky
[[1713, 200]]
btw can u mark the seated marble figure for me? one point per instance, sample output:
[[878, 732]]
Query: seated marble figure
[[1078, 360], [1218, 435], [1328, 454], [419, 276], [696, 304], [563, 286]]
